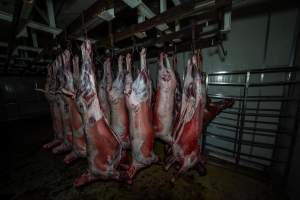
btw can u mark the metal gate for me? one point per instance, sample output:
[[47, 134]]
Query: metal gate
[[257, 132]]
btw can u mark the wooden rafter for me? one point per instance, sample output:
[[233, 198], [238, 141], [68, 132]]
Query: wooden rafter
[[22, 12], [181, 11]]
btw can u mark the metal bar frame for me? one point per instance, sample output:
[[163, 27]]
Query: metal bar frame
[[239, 114]]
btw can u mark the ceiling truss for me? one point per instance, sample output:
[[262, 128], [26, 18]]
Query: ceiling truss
[[166, 22]]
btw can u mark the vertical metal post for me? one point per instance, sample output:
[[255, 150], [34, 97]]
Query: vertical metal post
[[295, 40], [292, 90], [206, 82], [267, 39], [292, 144], [294, 136], [283, 107], [204, 130], [51, 15], [256, 117], [241, 127], [34, 39], [163, 6], [238, 124]]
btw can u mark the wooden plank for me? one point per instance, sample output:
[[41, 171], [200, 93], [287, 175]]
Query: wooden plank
[[184, 46], [89, 14], [167, 16], [22, 12], [183, 33]]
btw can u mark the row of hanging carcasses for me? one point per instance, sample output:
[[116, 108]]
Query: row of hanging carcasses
[[100, 119]]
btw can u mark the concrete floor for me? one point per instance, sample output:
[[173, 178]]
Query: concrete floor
[[36, 174]]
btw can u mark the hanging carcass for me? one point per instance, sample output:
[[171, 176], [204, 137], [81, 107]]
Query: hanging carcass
[[141, 129], [69, 90], [163, 120], [186, 150], [49, 91], [103, 146], [178, 90], [64, 109], [119, 113], [102, 89]]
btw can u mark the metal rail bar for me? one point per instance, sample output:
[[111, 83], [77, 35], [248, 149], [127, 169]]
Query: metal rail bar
[[257, 71], [252, 98], [218, 155], [285, 132], [278, 83], [245, 142], [247, 133], [249, 121], [243, 111], [226, 84], [254, 109], [220, 161], [261, 114], [244, 154]]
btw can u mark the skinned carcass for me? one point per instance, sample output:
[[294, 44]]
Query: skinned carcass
[[128, 77], [49, 92], [141, 130], [68, 89], [128, 83], [64, 109], [119, 113], [186, 149], [127, 90], [103, 146], [163, 120], [178, 90], [102, 89]]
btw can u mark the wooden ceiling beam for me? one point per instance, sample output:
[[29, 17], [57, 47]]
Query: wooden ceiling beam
[[183, 33], [22, 12], [88, 15], [172, 14]]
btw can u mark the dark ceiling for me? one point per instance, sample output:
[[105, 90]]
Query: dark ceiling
[[21, 53]]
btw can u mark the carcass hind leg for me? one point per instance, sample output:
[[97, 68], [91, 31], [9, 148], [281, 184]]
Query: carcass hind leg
[[62, 148], [127, 175], [169, 162], [183, 169], [200, 166], [130, 173], [124, 160], [52, 144], [187, 162], [84, 179], [70, 158], [168, 150], [201, 169]]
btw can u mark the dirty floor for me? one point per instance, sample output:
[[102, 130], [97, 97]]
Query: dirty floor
[[36, 174]]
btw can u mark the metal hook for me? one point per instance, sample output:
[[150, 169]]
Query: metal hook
[[223, 49], [84, 30]]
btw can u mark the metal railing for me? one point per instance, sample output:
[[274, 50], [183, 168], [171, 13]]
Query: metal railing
[[248, 134]]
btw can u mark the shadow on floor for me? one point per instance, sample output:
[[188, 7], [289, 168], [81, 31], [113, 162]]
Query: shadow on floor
[[33, 173]]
